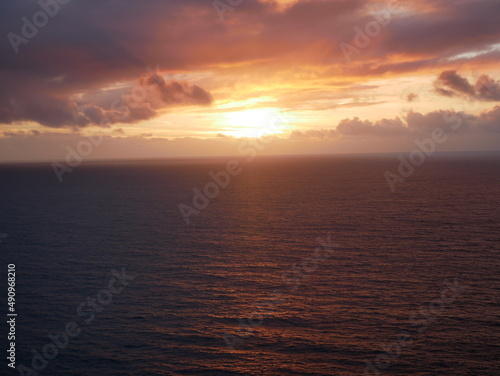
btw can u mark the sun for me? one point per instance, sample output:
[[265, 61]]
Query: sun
[[254, 123]]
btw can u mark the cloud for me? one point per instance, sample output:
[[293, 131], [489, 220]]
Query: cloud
[[54, 106], [411, 97], [382, 128], [93, 47], [451, 84], [416, 124], [487, 89], [455, 83], [489, 121], [442, 28]]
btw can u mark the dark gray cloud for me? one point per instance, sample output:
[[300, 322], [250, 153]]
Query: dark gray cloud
[[50, 107], [451, 84], [488, 89]]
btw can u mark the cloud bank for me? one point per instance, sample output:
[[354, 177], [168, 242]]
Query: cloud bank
[[91, 46]]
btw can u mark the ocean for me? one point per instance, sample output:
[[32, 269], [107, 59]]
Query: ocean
[[297, 266]]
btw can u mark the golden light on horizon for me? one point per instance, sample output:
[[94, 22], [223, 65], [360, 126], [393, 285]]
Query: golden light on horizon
[[255, 123]]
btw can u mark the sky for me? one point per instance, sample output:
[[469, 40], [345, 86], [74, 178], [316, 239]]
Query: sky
[[184, 78]]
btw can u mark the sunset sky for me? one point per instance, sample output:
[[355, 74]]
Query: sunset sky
[[177, 78]]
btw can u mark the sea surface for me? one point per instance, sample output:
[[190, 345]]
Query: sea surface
[[408, 283]]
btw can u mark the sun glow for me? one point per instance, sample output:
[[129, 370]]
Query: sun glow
[[255, 123]]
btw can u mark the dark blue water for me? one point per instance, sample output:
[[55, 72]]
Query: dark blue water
[[421, 263]]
